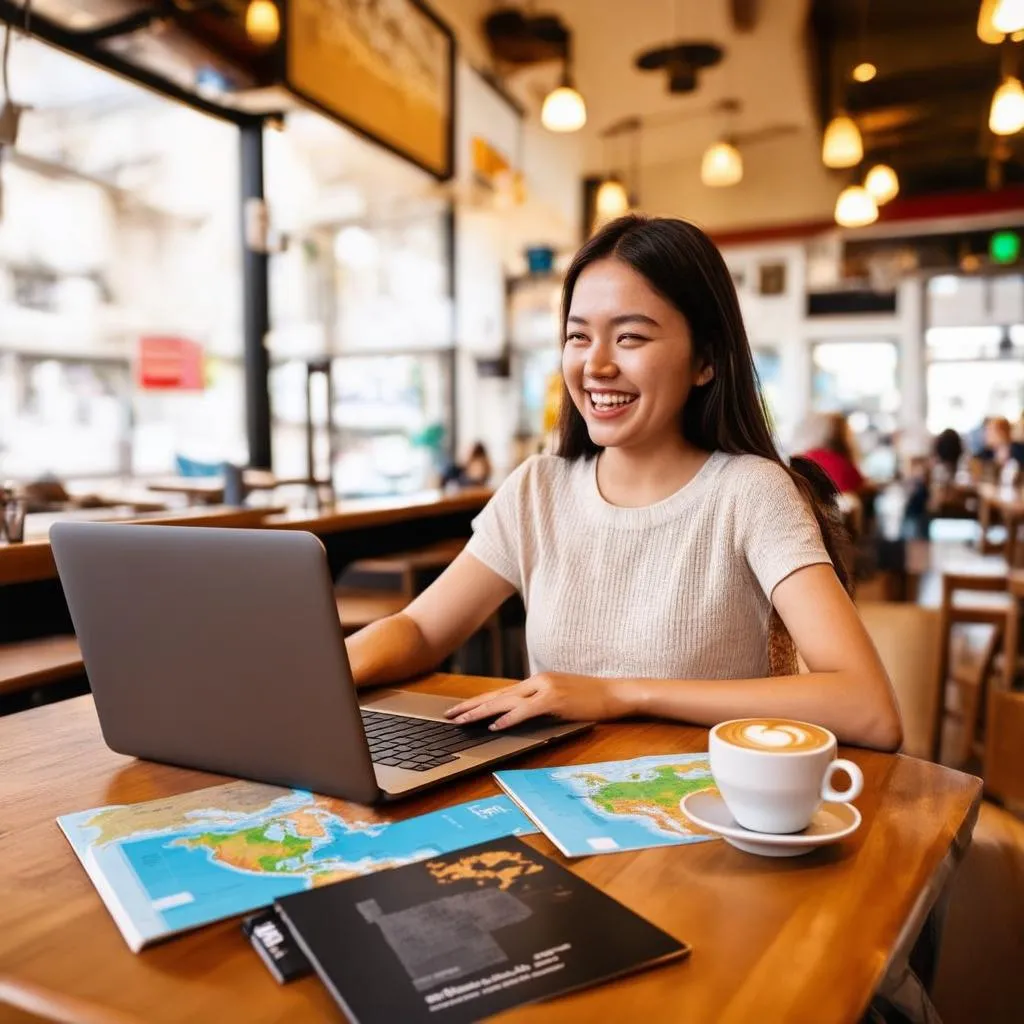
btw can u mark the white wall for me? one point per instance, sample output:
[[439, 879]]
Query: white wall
[[490, 242], [780, 321]]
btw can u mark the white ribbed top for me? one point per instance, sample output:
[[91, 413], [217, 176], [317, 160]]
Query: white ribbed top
[[675, 590]]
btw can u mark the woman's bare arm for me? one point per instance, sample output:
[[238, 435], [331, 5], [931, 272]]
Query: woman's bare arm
[[434, 625], [846, 690]]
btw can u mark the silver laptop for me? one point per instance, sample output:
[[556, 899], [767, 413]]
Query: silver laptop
[[221, 649]]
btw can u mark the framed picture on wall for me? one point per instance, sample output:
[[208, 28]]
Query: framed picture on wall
[[385, 69], [771, 278]]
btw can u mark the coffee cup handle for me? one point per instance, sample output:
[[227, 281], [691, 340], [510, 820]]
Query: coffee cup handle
[[852, 792]]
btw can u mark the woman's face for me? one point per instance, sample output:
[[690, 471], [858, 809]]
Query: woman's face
[[628, 358]]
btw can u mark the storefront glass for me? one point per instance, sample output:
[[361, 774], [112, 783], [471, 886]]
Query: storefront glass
[[120, 222]]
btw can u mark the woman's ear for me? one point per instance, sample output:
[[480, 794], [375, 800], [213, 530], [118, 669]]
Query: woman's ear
[[706, 374]]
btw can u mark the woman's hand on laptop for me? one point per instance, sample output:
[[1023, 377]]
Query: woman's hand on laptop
[[571, 697]]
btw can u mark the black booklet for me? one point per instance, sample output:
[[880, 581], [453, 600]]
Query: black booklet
[[465, 935]]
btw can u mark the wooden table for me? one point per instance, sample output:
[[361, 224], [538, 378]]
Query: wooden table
[[210, 489], [32, 560], [807, 939], [355, 513]]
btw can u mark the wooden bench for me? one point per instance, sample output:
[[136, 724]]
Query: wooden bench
[[30, 663]]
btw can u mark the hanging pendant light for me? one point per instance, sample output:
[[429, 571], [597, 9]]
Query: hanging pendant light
[[262, 22], [1006, 116], [841, 145], [612, 200], [855, 208], [721, 166], [882, 183], [1008, 16], [564, 109], [998, 19], [864, 71]]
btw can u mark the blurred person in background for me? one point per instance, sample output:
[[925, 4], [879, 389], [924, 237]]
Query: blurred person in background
[[930, 482], [826, 440], [1000, 449], [474, 472]]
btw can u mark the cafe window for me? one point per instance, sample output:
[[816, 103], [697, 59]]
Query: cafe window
[[63, 417], [360, 279], [973, 373], [768, 363], [120, 223], [861, 380]]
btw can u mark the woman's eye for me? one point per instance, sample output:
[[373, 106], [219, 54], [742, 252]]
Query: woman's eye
[[631, 339], [576, 339]]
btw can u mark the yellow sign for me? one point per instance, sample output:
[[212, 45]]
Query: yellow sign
[[383, 68]]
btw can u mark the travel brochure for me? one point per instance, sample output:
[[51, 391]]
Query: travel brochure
[[466, 935], [169, 865], [612, 806], [469, 922]]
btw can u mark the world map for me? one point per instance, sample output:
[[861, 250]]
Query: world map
[[177, 863], [612, 805]]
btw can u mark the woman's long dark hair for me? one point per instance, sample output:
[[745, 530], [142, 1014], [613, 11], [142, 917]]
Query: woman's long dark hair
[[728, 413]]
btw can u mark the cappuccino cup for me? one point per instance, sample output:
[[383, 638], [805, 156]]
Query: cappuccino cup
[[773, 773]]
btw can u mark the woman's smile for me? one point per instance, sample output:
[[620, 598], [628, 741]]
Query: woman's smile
[[606, 404]]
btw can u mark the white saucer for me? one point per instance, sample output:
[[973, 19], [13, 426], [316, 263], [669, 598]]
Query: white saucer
[[831, 822]]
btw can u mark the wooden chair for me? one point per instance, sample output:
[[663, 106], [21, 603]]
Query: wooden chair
[[908, 640], [38, 671], [357, 605], [360, 608], [1004, 749], [979, 975], [980, 600], [410, 566]]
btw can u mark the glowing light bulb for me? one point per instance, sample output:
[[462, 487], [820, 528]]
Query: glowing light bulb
[[262, 22], [855, 207], [721, 166], [841, 145]]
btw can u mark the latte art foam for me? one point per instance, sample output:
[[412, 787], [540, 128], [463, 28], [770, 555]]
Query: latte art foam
[[773, 735]]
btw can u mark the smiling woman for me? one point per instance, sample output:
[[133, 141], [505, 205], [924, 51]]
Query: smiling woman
[[658, 548]]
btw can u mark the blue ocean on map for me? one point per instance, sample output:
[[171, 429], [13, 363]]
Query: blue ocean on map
[[611, 806], [155, 883]]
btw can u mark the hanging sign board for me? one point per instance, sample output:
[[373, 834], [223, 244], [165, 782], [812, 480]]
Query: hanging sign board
[[385, 69], [169, 364]]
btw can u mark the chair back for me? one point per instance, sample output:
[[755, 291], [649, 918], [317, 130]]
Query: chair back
[[908, 640], [1004, 748]]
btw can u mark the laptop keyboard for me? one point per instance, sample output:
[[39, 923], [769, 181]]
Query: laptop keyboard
[[418, 744]]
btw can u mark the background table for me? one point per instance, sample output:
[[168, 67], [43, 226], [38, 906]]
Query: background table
[[806, 939]]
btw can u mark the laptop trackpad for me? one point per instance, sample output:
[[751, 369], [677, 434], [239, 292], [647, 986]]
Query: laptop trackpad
[[406, 702]]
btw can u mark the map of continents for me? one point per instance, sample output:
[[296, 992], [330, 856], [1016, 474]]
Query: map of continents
[[650, 794], [612, 805], [173, 864]]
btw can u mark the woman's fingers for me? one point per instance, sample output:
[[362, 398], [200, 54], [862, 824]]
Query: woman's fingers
[[489, 709], [473, 703], [525, 708]]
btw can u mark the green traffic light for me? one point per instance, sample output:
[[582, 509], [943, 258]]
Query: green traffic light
[[1004, 247]]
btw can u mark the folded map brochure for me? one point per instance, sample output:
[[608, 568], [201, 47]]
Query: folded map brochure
[[169, 865], [613, 805], [464, 935]]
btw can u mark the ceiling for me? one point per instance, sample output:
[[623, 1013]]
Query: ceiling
[[788, 64], [926, 112], [607, 37]]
